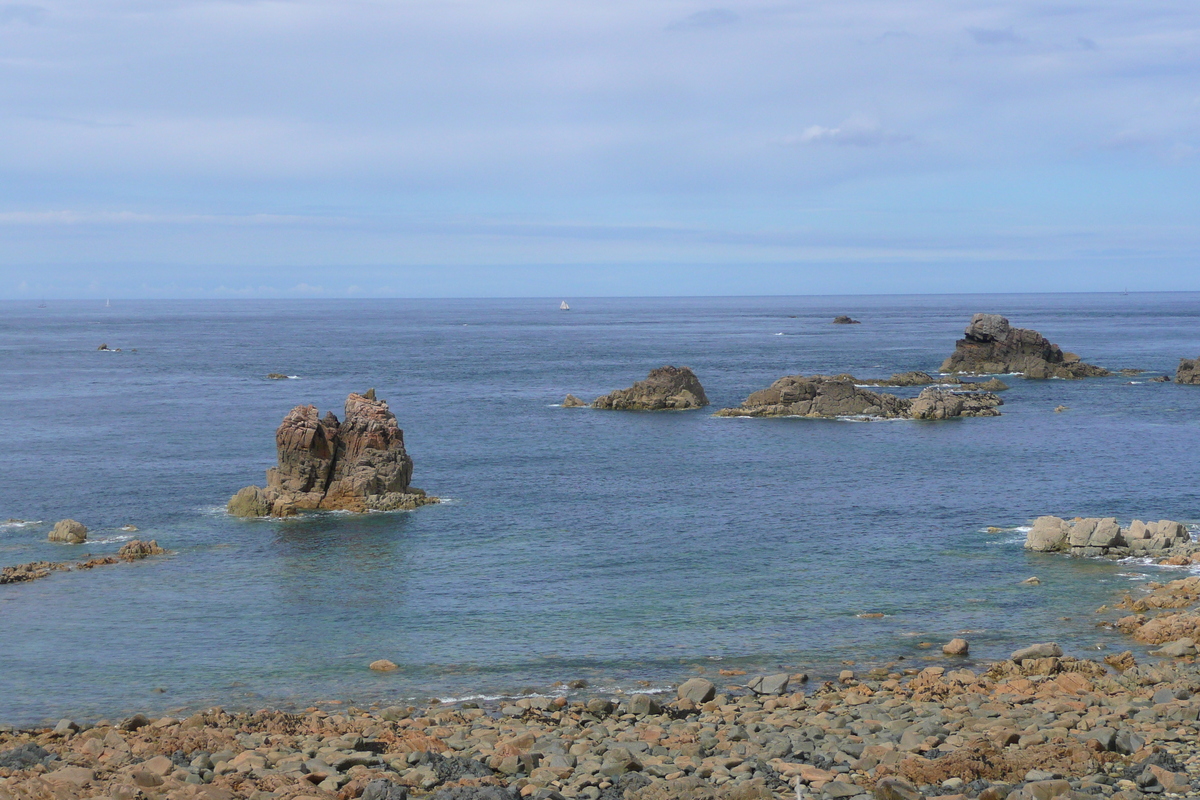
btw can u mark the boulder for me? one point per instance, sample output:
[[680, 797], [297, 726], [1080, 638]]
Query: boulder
[[842, 319], [956, 647], [383, 665], [993, 346], [643, 704], [1048, 534], [571, 401], [666, 388], [990, 385], [359, 464], [1188, 371], [383, 789], [698, 690], [276, 376], [770, 684], [69, 531], [1043, 650]]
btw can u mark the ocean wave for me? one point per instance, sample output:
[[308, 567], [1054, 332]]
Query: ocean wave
[[124, 537], [19, 523]]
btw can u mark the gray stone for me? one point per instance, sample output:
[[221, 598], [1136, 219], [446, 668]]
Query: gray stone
[[24, 757], [1043, 650], [1177, 649], [384, 789], [769, 684], [643, 704], [698, 690], [1105, 737], [1127, 742]]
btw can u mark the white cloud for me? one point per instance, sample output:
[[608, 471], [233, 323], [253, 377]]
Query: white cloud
[[856, 131]]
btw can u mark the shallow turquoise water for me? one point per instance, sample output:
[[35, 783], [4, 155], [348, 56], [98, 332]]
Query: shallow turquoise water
[[615, 547]]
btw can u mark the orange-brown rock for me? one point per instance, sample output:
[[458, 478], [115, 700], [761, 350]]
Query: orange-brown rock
[[359, 464]]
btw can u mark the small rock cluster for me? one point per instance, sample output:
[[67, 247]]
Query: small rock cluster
[[1105, 537], [837, 396], [130, 551], [1188, 371]]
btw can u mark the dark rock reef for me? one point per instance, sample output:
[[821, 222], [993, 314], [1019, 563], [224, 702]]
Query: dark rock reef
[[992, 346], [838, 396], [356, 465], [1189, 371], [665, 389], [842, 319]]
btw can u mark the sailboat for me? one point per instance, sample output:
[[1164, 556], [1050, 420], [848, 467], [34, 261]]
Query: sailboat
[[107, 304], [564, 306]]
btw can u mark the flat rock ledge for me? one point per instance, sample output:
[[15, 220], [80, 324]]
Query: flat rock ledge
[[991, 346], [839, 396], [359, 464], [1094, 536], [664, 389], [135, 550]]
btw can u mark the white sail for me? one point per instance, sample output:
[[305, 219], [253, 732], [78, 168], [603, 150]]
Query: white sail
[[564, 306]]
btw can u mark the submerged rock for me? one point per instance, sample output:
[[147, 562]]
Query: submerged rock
[[839, 396], [992, 346], [356, 465], [1093, 536], [665, 388], [276, 376], [69, 531], [1188, 371]]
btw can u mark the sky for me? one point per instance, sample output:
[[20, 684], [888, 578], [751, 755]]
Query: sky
[[337, 148]]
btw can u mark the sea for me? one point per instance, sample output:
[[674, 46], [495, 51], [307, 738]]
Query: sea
[[625, 550]]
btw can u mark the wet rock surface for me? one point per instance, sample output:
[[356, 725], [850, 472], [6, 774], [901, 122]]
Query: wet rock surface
[[992, 346], [135, 550], [358, 464], [664, 389]]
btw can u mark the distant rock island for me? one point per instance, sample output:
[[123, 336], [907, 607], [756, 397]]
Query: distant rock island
[[664, 389], [356, 465], [842, 319], [1189, 371], [838, 396], [992, 346]]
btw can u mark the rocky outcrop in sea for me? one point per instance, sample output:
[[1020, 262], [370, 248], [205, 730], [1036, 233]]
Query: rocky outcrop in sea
[[1188, 371], [664, 389], [842, 319], [992, 346], [1092, 536], [358, 464], [838, 396]]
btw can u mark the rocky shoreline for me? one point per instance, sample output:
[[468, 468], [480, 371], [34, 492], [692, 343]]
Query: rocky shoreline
[[1037, 726]]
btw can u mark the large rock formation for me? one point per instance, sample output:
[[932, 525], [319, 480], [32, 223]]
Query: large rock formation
[[992, 346], [1189, 371], [838, 396], [665, 388], [1096, 537], [69, 531], [356, 465]]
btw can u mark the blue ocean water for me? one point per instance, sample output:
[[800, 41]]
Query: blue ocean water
[[625, 549]]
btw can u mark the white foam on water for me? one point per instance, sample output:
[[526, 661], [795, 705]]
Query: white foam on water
[[293, 377], [124, 537], [25, 523]]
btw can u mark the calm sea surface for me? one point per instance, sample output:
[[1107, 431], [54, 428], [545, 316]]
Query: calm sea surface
[[613, 547]]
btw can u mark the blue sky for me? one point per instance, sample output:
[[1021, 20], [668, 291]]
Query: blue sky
[[171, 148]]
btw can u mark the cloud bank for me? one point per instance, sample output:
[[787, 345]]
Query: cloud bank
[[349, 138]]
